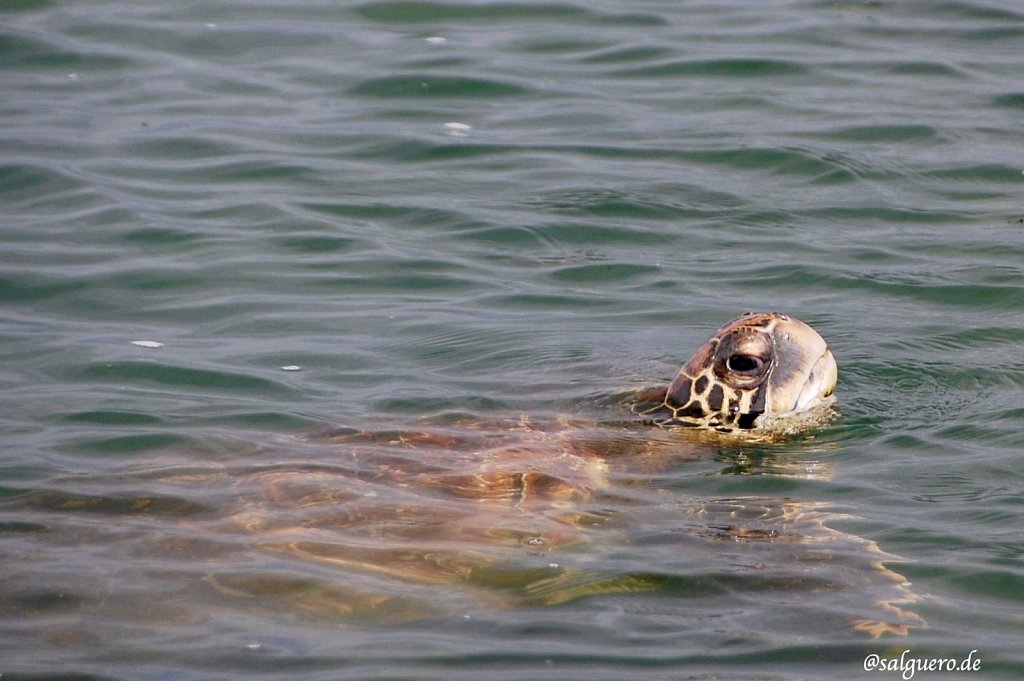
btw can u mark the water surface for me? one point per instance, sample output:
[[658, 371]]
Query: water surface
[[479, 223]]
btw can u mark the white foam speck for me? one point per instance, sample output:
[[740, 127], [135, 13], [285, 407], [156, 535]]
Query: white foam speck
[[457, 129], [435, 40], [148, 344], [291, 367]]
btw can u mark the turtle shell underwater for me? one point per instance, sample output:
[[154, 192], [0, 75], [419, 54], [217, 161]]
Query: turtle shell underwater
[[455, 513]]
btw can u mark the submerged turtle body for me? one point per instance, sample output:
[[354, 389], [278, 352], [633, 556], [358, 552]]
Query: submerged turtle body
[[488, 504]]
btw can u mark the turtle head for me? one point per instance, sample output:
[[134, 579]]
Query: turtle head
[[761, 371]]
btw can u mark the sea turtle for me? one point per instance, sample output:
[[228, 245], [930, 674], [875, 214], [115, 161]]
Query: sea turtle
[[478, 502], [362, 525]]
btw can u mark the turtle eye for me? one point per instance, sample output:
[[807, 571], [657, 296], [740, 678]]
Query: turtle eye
[[744, 364]]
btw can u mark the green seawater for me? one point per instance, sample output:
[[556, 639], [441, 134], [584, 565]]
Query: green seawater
[[375, 238]]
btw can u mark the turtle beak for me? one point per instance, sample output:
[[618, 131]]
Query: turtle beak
[[805, 374], [819, 389]]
